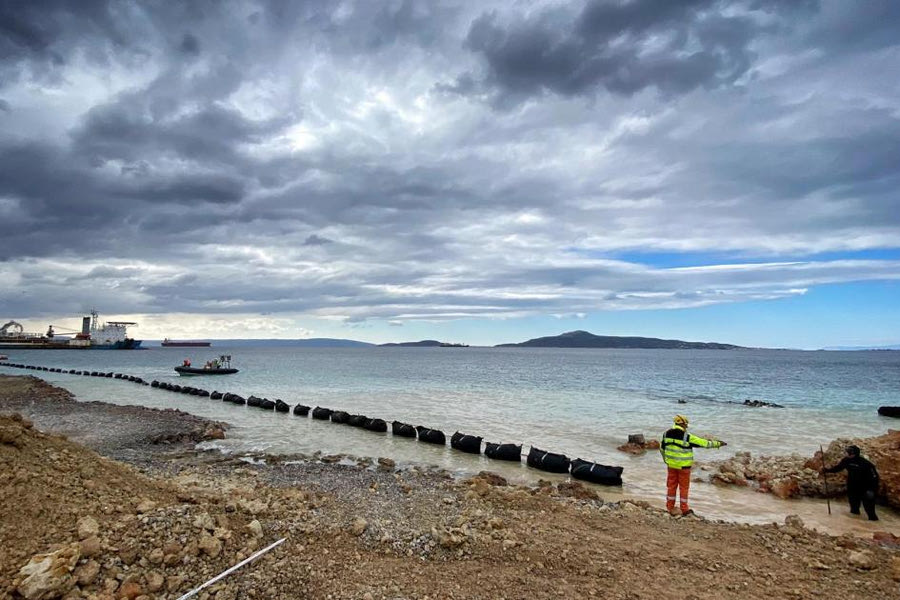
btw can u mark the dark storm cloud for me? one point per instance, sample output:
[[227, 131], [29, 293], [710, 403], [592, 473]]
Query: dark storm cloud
[[277, 156], [623, 47]]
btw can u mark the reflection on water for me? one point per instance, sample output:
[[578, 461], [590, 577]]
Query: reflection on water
[[583, 403]]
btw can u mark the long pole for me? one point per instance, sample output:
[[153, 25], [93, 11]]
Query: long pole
[[194, 591], [825, 477]]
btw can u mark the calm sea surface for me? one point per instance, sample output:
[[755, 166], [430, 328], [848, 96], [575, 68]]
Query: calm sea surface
[[581, 402]]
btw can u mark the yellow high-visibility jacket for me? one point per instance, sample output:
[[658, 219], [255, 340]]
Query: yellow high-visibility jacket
[[677, 447]]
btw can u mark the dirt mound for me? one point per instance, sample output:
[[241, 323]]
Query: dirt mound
[[47, 483]]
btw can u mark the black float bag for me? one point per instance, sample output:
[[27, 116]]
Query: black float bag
[[339, 416], [465, 443], [547, 461], [512, 452], [377, 425], [431, 436], [357, 420], [323, 414], [596, 473], [282, 406], [403, 429], [301, 410]]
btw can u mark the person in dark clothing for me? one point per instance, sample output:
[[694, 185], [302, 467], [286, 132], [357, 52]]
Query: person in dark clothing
[[862, 481]]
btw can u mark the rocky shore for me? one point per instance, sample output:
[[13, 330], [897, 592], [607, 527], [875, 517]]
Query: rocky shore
[[164, 518], [797, 476]]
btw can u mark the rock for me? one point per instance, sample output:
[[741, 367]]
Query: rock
[[91, 546], [87, 573], [213, 432], [49, 575], [129, 591], [358, 527], [449, 538], [204, 521], [87, 527], [794, 521], [386, 464], [156, 556], [862, 559], [895, 568], [575, 489], [255, 528], [155, 581], [785, 488], [145, 506], [492, 478], [210, 545]]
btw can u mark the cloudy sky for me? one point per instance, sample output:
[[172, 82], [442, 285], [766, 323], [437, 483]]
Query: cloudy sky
[[478, 172]]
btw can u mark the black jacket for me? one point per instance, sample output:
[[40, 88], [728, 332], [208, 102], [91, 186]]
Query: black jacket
[[861, 474]]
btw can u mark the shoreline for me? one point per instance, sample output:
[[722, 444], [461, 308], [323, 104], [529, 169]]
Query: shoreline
[[161, 524], [710, 499]]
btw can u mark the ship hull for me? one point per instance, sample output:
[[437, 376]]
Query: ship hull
[[127, 344], [195, 371], [185, 344]]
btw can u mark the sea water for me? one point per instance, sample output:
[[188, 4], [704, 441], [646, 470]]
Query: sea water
[[580, 402]]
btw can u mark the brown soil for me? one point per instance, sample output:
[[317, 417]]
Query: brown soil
[[362, 529]]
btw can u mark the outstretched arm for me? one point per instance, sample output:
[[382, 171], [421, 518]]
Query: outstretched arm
[[699, 442]]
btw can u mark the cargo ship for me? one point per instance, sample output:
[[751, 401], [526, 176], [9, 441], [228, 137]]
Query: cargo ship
[[94, 335], [184, 344]]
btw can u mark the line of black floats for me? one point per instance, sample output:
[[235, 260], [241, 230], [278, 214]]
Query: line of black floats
[[106, 374], [536, 458]]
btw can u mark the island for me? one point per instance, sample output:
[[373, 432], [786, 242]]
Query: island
[[585, 339], [425, 344]]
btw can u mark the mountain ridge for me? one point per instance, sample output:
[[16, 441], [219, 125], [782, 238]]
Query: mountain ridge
[[585, 339]]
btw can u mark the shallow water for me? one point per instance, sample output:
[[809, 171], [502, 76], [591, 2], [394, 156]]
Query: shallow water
[[582, 403]]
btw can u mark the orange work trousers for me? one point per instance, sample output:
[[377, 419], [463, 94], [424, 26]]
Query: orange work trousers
[[678, 480]]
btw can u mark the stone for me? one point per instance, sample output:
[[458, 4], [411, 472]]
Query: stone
[[91, 546], [204, 521], [862, 559], [129, 591], [794, 521], [156, 556], [358, 527], [49, 575], [155, 581], [255, 528], [386, 464], [87, 527], [785, 488], [145, 506], [895, 568], [210, 545], [87, 573]]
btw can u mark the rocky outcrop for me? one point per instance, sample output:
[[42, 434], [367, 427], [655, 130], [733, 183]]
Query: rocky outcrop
[[637, 444], [794, 476]]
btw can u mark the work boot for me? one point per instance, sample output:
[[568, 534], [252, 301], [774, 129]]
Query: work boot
[[675, 512], [687, 512]]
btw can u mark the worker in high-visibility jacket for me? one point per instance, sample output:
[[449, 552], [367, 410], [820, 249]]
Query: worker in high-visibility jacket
[[677, 449]]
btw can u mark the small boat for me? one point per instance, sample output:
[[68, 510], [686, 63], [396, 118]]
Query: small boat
[[218, 366], [3, 357]]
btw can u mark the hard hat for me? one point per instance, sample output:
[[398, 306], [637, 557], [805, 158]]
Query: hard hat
[[681, 420]]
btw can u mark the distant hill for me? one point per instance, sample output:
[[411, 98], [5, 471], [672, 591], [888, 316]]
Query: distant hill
[[296, 343], [584, 339], [425, 344]]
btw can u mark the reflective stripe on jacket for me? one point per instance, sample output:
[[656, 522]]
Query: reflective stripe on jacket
[[677, 447]]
